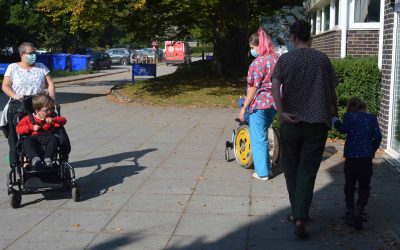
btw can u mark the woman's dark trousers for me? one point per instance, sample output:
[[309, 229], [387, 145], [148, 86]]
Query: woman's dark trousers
[[43, 146], [303, 145], [357, 170]]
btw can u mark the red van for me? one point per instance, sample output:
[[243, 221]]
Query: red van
[[177, 52]]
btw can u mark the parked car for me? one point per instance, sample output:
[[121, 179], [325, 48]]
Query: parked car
[[99, 60], [120, 55]]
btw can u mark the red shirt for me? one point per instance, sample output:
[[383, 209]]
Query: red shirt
[[259, 75], [25, 127]]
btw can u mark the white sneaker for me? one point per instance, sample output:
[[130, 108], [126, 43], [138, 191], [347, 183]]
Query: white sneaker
[[255, 175]]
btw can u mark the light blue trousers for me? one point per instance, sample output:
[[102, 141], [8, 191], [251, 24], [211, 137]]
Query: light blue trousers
[[259, 122]]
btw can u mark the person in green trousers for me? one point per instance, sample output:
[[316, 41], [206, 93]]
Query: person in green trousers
[[303, 87]]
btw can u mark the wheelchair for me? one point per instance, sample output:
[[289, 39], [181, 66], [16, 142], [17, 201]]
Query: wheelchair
[[25, 179], [240, 143]]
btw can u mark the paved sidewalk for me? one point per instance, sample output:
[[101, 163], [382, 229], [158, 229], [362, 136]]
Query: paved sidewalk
[[156, 178]]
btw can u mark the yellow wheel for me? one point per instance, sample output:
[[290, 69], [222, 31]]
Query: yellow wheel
[[241, 147]]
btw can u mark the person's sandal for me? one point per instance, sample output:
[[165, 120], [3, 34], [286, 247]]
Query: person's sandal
[[300, 232]]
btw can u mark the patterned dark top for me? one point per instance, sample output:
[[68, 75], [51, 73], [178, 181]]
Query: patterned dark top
[[308, 79], [363, 135]]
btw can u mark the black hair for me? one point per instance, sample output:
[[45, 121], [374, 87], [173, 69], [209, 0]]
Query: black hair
[[301, 30]]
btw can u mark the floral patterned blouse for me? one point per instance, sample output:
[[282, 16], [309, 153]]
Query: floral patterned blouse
[[259, 75]]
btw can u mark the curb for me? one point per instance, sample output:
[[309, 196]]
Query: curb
[[88, 76]]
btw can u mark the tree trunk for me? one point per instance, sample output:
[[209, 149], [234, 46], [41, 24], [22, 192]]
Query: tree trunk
[[231, 44]]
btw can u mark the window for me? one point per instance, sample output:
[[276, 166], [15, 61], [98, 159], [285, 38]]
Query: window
[[314, 22], [336, 12], [366, 11], [327, 16]]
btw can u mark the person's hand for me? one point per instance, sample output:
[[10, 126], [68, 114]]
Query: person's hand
[[36, 127], [18, 97], [289, 118], [49, 120], [241, 114]]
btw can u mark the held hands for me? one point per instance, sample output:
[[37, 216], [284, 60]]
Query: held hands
[[287, 117], [49, 120], [36, 127]]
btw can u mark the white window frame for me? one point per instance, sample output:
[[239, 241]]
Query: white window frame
[[364, 26], [391, 151]]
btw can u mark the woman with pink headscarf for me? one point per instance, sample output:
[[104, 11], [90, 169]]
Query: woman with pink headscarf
[[259, 100]]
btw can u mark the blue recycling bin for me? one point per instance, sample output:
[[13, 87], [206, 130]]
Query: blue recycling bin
[[79, 62], [60, 61], [209, 58], [143, 69], [3, 68], [46, 59]]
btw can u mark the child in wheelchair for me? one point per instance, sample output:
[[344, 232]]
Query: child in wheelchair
[[40, 143], [43, 147]]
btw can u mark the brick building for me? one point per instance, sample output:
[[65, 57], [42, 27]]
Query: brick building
[[361, 28]]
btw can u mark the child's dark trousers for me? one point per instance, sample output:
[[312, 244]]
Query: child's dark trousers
[[357, 170], [43, 146]]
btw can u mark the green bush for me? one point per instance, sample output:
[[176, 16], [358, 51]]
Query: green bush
[[205, 48], [357, 77]]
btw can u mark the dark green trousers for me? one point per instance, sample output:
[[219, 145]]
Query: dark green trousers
[[302, 148]]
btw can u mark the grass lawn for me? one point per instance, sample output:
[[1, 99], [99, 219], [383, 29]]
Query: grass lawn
[[196, 86]]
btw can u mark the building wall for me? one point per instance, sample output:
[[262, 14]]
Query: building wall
[[328, 42], [386, 71], [362, 43]]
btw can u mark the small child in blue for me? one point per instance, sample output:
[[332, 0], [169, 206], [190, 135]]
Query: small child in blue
[[363, 138]]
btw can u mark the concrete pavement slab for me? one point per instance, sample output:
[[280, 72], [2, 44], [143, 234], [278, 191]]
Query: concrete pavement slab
[[146, 223], [201, 243], [230, 205], [125, 241], [49, 240], [157, 203], [213, 226]]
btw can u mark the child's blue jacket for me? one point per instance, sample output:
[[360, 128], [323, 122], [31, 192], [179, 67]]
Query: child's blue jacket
[[363, 135]]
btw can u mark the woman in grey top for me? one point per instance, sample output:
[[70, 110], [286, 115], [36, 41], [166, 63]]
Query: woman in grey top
[[21, 81]]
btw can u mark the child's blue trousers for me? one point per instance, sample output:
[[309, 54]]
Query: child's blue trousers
[[260, 120]]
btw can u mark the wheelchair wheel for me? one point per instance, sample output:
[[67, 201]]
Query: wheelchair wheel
[[273, 146], [76, 194], [15, 198], [241, 147]]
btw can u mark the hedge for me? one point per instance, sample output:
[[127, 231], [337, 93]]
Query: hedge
[[357, 77]]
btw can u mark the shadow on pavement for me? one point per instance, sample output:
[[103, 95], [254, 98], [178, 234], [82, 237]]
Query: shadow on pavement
[[64, 98], [268, 228], [104, 177]]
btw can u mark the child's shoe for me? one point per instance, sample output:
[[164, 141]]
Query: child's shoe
[[358, 218], [48, 162], [349, 217], [36, 163]]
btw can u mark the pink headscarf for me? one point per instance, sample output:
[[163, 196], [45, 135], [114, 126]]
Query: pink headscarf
[[265, 45]]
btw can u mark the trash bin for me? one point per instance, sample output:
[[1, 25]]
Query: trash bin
[[46, 59], [3, 68], [143, 69], [79, 62], [60, 61]]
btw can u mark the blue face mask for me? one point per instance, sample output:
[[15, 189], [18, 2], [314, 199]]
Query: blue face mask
[[253, 52], [30, 58]]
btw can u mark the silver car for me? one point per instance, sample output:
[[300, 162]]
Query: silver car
[[120, 55]]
